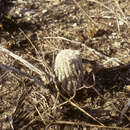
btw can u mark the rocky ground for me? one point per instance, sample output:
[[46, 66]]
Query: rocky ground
[[37, 30]]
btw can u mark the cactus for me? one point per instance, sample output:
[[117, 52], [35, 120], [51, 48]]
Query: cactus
[[69, 70]]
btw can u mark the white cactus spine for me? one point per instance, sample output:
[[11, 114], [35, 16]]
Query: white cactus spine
[[69, 70]]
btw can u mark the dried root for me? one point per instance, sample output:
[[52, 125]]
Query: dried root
[[69, 70]]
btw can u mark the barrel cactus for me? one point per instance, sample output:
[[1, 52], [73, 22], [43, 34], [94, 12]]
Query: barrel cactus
[[69, 71]]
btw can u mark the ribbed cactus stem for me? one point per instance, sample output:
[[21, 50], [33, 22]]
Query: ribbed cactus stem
[[69, 70]]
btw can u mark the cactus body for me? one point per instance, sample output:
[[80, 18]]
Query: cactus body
[[69, 70]]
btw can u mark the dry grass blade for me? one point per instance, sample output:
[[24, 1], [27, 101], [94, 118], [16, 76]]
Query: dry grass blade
[[89, 125], [107, 59], [29, 41], [125, 109], [26, 63], [3, 75], [13, 69], [39, 114], [112, 11], [11, 122], [82, 110], [117, 3], [85, 13], [115, 61], [63, 38], [40, 58]]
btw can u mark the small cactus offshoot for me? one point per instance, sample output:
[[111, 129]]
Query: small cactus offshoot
[[69, 70]]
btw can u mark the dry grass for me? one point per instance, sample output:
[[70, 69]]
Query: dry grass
[[98, 30]]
